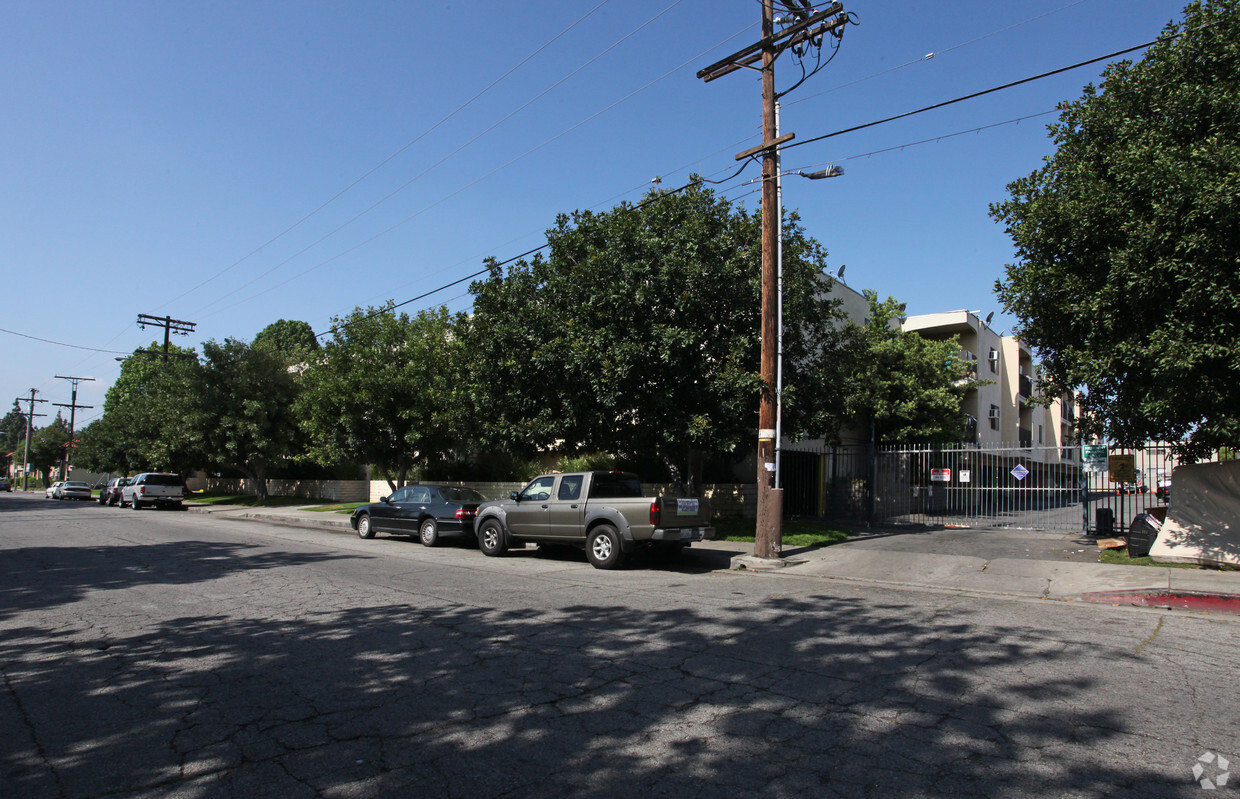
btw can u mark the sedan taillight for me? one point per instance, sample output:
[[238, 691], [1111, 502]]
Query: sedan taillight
[[466, 513]]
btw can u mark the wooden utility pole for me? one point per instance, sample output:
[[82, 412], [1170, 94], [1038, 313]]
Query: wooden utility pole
[[29, 432], [808, 27], [66, 463]]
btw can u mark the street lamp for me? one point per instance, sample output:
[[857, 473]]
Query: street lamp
[[831, 171]]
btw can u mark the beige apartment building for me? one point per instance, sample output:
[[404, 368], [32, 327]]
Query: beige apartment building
[[1000, 404]]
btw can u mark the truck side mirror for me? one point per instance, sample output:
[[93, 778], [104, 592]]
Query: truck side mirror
[[514, 496]]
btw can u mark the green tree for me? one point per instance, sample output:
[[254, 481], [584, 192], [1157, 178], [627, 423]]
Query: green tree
[[901, 386], [150, 417], [294, 340], [386, 390], [47, 447], [12, 432], [1128, 241], [244, 409], [639, 334]]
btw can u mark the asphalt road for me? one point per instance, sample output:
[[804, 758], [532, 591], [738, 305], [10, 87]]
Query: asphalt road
[[173, 654]]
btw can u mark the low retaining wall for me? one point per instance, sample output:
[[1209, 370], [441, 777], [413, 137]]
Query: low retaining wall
[[730, 501], [335, 490]]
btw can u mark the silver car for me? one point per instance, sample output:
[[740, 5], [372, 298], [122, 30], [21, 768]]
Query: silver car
[[72, 490]]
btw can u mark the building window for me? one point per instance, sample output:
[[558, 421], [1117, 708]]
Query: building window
[[1039, 434], [993, 358], [994, 417]]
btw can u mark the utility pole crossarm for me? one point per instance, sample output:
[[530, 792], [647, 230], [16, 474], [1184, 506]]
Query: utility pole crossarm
[[802, 31], [170, 326]]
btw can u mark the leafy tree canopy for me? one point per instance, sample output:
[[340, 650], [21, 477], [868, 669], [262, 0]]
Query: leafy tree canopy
[[902, 386], [294, 340], [1128, 242], [149, 417], [639, 334], [244, 409], [386, 390]]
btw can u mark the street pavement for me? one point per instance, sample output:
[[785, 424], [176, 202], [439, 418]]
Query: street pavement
[[249, 653], [1006, 562]]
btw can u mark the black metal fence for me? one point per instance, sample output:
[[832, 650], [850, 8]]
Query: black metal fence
[[971, 485]]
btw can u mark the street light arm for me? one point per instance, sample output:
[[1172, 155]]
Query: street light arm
[[832, 171]]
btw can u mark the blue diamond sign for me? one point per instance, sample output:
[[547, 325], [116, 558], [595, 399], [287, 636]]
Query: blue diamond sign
[[1019, 472]]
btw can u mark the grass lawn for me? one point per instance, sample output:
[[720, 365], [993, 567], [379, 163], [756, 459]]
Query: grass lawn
[[338, 507], [796, 533], [1119, 557], [249, 500]]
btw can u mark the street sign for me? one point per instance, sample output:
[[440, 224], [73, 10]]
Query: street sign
[[1122, 468], [1019, 472], [1094, 456]]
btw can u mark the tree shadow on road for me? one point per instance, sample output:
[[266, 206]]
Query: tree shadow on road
[[812, 695]]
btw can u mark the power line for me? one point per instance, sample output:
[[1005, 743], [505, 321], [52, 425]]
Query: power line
[[467, 186], [387, 160], [60, 343], [933, 54], [972, 96], [427, 170]]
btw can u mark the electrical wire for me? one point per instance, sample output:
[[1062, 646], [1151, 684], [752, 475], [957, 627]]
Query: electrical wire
[[929, 56], [445, 158], [472, 183], [60, 343], [972, 96], [385, 161]]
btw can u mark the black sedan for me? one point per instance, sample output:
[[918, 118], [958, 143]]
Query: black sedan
[[431, 512]]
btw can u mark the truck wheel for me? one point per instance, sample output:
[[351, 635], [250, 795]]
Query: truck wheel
[[428, 532], [603, 548], [135, 504], [491, 538], [364, 530]]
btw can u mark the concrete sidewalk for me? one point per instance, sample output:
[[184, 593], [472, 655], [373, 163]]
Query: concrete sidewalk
[[998, 561]]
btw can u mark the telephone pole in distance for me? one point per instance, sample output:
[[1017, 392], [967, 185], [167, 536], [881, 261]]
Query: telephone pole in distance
[[29, 432], [66, 463]]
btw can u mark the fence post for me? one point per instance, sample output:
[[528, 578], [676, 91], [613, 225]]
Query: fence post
[[871, 499]]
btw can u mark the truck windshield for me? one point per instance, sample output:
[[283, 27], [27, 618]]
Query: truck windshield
[[607, 485]]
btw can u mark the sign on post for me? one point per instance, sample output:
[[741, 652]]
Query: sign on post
[[1122, 468]]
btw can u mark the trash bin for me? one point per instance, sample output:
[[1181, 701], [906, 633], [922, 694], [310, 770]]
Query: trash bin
[[1141, 535], [1104, 523]]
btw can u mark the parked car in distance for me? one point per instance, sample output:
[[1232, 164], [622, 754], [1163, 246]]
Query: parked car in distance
[[50, 491], [431, 512], [1163, 489], [110, 494], [161, 489], [72, 489], [5, 485]]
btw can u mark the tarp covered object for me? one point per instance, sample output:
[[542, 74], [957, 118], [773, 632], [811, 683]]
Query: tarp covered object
[[1203, 519]]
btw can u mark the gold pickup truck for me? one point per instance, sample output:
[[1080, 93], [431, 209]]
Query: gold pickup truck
[[603, 512]]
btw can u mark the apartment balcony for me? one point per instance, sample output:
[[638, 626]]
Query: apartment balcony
[[1025, 387]]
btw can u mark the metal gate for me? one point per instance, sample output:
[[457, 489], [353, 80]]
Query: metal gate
[[970, 485]]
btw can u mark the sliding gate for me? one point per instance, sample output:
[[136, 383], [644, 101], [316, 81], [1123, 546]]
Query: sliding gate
[[974, 485]]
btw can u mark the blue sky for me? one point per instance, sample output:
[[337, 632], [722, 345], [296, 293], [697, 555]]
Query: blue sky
[[235, 163]]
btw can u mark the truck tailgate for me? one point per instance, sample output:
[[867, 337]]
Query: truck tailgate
[[674, 512]]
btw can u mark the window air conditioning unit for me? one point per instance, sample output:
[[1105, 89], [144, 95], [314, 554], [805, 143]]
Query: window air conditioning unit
[[994, 413], [994, 355]]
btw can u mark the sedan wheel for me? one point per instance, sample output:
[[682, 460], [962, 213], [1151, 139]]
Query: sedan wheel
[[428, 532], [364, 528]]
